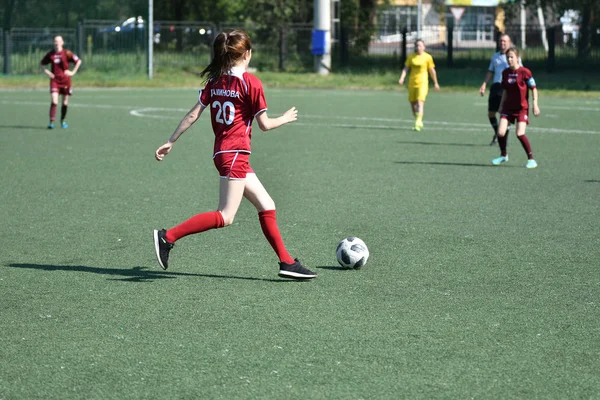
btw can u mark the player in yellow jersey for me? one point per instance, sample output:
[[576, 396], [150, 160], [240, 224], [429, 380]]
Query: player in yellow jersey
[[420, 65]]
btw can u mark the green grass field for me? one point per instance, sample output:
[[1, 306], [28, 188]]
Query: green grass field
[[483, 281]]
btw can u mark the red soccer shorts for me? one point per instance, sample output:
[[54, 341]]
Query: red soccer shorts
[[64, 89], [233, 165], [521, 116]]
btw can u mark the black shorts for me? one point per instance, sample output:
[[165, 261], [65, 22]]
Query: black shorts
[[495, 97]]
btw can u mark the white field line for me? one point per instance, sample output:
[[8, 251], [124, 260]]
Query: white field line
[[543, 107], [432, 125], [362, 122]]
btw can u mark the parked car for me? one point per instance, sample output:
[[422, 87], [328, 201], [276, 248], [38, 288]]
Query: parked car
[[129, 25]]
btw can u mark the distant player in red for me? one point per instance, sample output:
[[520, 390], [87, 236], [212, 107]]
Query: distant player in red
[[234, 98], [514, 106], [60, 78]]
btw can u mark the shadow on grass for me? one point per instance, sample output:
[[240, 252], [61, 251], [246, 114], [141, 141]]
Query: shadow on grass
[[443, 144], [451, 164], [592, 181], [135, 274], [332, 267], [23, 127]]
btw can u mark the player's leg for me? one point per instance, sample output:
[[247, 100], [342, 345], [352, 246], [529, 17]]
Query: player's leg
[[419, 97], [414, 105], [412, 100], [419, 113], [521, 128], [502, 129], [256, 193], [493, 107], [63, 109], [494, 123], [231, 190], [230, 196], [53, 105]]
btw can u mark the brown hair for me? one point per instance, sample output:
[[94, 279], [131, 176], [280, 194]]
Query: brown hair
[[228, 48], [514, 50]]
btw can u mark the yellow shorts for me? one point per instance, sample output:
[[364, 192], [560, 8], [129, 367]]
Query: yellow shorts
[[417, 93]]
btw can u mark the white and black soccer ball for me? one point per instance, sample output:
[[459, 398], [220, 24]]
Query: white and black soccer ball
[[352, 253]]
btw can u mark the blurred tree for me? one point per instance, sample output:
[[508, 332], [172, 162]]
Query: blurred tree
[[7, 14], [359, 19], [589, 14]]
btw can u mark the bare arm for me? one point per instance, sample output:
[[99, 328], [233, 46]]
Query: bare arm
[[266, 124], [488, 76], [75, 68], [433, 75], [403, 75], [536, 109], [47, 71], [190, 118]]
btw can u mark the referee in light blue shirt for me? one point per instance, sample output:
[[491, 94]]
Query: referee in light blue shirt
[[497, 65]]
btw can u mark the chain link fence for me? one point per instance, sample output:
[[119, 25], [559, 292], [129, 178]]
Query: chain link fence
[[121, 47]]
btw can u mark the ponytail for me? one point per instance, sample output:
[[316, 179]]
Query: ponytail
[[228, 48]]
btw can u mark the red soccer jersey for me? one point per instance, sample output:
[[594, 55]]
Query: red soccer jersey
[[516, 83], [60, 63], [234, 101]]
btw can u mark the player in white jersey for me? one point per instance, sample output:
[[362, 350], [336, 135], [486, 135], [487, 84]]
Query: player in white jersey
[[497, 65]]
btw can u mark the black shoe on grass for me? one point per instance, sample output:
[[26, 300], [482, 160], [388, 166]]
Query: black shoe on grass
[[295, 270], [162, 247], [494, 140]]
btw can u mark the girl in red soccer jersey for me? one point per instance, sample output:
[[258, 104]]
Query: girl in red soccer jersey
[[514, 106], [235, 98], [60, 78]]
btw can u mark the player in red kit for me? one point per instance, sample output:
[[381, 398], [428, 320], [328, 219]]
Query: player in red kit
[[234, 98], [514, 106], [60, 78]]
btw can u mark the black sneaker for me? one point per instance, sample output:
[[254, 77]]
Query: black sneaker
[[295, 270], [494, 139], [162, 247]]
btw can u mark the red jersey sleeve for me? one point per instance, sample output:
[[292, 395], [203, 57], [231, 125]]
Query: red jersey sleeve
[[257, 94], [71, 57], [204, 96], [528, 78], [46, 60]]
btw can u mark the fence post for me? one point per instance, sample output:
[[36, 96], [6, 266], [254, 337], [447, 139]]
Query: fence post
[[281, 48], [497, 35], [80, 34], [403, 50], [450, 32], [7, 43], [551, 61], [344, 47]]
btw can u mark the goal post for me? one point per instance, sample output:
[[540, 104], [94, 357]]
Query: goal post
[[321, 37]]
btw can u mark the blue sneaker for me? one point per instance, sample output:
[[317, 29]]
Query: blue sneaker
[[500, 160], [64, 125], [531, 164], [51, 125]]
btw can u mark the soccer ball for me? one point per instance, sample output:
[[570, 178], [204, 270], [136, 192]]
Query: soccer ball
[[352, 253]]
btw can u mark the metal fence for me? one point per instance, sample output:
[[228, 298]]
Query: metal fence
[[122, 46], [461, 46]]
